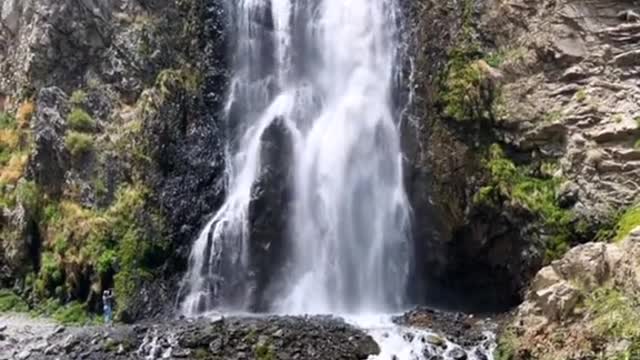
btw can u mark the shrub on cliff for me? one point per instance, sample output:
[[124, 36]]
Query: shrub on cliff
[[78, 143], [87, 250], [78, 98], [80, 120]]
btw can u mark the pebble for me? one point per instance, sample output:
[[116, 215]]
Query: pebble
[[435, 340], [457, 354]]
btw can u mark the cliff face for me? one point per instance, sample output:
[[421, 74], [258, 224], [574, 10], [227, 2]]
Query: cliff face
[[527, 127], [111, 152]]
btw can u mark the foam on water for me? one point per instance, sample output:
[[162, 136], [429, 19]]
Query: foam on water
[[405, 343]]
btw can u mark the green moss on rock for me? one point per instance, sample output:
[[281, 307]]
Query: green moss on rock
[[264, 351], [508, 182], [80, 120]]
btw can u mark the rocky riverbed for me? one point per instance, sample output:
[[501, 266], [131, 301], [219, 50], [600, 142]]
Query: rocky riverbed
[[225, 338], [418, 334]]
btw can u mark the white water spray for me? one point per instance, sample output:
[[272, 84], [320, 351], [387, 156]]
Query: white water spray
[[326, 70]]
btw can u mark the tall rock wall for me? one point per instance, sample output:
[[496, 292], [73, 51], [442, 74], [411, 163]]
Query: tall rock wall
[[526, 121]]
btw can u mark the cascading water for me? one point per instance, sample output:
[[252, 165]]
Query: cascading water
[[326, 71]]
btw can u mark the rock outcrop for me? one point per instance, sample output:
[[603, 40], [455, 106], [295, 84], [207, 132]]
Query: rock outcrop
[[554, 84], [570, 93], [590, 296]]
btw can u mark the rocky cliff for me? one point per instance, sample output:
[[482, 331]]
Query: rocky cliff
[[110, 149], [524, 139]]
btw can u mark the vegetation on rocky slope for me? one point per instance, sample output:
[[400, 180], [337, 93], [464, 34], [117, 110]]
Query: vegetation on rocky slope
[[629, 221], [530, 187], [606, 325], [84, 247]]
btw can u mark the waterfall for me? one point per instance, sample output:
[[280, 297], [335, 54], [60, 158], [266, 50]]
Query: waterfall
[[326, 71]]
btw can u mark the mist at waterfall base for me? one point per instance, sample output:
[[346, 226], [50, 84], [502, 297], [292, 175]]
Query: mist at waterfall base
[[322, 74]]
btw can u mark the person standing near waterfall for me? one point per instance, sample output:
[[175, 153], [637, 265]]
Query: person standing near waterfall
[[107, 304]]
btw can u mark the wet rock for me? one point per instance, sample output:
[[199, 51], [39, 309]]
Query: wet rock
[[315, 338], [462, 329], [457, 354], [435, 340], [408, 337]]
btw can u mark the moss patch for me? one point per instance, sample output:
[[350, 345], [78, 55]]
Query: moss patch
[[466, 93], [264, 352], [520, 187], [78, 98], [25, 113]]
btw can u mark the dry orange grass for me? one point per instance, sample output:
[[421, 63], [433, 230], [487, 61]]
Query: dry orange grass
[[13, 171], [9, 139], [25, 113]]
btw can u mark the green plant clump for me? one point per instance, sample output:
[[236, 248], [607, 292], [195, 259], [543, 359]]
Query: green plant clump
[[124, 243], [616, 317], [78, 97], [78, 143], [10, 301], [628, 222], [265, 352], [170, 80], [73, 313], [80, 120], [538, 195], [464, 97], [581, 95]]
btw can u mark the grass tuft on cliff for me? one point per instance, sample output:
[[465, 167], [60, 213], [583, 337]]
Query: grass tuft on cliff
[[10, 301], [119, 245], [80, 120], [78, 98], [519, 187], [78, 143], [628, 222]]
